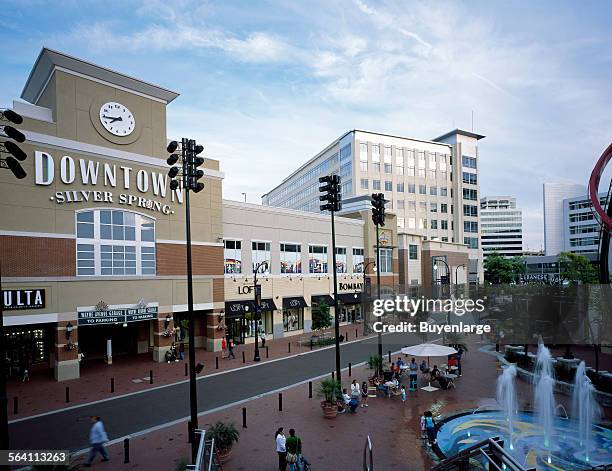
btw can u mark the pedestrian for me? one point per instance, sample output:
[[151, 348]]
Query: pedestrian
[[414, 375], [364, 394], [423, 427], [97, 439], [281, 449], [355, 390], [230, 349], [223, 348], [294, 452], [403, 391], [263, 340], [459, 355], [182, 351], [430, 427]]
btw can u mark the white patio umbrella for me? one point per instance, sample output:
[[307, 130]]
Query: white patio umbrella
[[428, 350]]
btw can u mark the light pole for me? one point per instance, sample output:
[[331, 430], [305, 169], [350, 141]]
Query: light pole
[[257, 290], [189, 181], [363, 289], [378, 218]]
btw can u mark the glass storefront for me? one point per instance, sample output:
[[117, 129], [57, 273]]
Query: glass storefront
[[293, 319], [26, 346]]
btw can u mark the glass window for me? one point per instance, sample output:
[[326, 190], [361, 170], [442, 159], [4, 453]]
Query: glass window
[[232, 255], [443, 191], [376, 153], [376, 184], [411, 205], [411, 188], [411, 223], [400, 203], [433, 190], [433, 207], [363, 156], [470, 210], [388, 186], [471, 242], [260, 252], [421, 173], [421, 159], [386, 260], [317, 259], [115, 242], [400, 223], [470, 178], [358, 260], [469, 162], [410, 157], [470, 226], [400, 187], [444, 224], [422, 189], [341, 264], [422, 206], [434, 223], [410, 172], [291, 258], [293, 319], [432, 160], [413, 252], [444, 208], [364, 184], [470, 194]]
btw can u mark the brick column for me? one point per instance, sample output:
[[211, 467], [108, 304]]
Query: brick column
[[214, 335], [161, 344], [66, 363]]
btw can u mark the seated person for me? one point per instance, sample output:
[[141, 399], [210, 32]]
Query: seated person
[[170, 356], [435, 372], [387, 375], [445, 383], [349, 401], [424, 367], [452, 363], [399, 363]]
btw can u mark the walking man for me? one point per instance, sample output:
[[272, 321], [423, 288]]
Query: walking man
[[97, 439], [230, 349], [293, 446]]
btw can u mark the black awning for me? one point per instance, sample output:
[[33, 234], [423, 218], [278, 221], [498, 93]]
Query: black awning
[[319, 298], [296, 301], [239, 308], [267, 305], [350, 298]]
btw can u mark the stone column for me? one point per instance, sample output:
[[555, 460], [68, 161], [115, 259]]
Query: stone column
[[214, 335], [161, 344], [66, 362]]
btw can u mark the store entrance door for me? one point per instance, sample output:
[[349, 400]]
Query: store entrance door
[[92, 340], [235, 329]]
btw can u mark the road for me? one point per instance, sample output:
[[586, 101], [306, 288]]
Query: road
[[68, 428]]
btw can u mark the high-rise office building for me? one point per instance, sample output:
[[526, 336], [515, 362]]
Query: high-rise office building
[[581, 229], [501, 226], [432, 186], [554, 194]]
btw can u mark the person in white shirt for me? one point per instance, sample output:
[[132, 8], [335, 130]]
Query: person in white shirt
[[349, 401], [355, 389], [281, 449]]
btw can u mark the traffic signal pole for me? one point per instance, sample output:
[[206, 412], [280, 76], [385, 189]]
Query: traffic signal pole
[[336, 311], [380, 348]]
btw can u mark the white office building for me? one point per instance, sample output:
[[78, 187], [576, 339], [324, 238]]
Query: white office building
[[501, 224], [554, 222], [581, 230], [416, 177]]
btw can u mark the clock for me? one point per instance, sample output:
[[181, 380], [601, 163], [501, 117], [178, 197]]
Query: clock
[[117, 119]]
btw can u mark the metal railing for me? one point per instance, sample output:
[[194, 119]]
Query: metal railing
[[206, 459], [368, 460]]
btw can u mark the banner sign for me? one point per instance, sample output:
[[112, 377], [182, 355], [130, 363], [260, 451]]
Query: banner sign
[[547, 278], [15, 299], [117, 316]]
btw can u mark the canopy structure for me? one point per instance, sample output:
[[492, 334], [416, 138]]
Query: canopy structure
[[428, 350]]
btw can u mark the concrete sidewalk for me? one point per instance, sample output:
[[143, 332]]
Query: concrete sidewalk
[[131, 374]]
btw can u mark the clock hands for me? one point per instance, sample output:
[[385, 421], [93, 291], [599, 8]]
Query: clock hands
[[112, 118]]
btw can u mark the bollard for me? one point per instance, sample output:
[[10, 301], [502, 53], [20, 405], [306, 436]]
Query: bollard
[[186, 369], [150, 376], [389, 356], [16, 405], [289, 344], [112, 385], [67, 393], [243, 357], [126, 450], [346, 338], [311, 344], [280, 402], [333, 375], [350, 366], [356, 333], [267, 352], [189, 431], [217, 363], [309, 389], [244, 417]]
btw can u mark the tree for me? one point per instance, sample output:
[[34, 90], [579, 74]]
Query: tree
[[321, 318], [501, 270], [576, 269]]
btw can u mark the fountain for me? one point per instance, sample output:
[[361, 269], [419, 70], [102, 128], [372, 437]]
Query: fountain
[[506, 396], [544, 399], [585, 408]]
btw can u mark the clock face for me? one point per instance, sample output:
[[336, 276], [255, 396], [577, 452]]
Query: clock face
[[117, 119]]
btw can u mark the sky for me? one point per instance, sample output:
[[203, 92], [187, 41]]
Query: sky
[[265, 85]]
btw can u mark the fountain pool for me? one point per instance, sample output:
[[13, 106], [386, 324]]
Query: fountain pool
[[566, 453]]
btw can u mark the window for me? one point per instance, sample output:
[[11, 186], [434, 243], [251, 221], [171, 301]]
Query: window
[[293, 319], [422, 206], [443, 208], [376, 184], [434, 223], [357, 260], [433, 207], [386, 260], [341, 266], [422, 189], [411, 188], [399, 161], [432, 160], [422, 223], [421, 159], [433, 190], [291, 258], [376, 157], [317, 259], [232, 255], [388, 160], [115, 242], [432, 174], [444, 239], [470, 210], [400, 187], [260, 253], [471, 242], [470, 226], [400, 203], [410, 157], [363, 156], [444, 224], [410, 172], [470, 178], [421, 173], [400, 223], [442, 162], [411, 223], [388, 186], [469, 162], [443, 191], [411, 205], [364, 184], [469, 194], [389, 204], [413, 252]]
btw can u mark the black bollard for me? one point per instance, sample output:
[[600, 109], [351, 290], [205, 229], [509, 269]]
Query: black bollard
[[244, 417], [216, 363], [350, 370], [186, 369], [126, 450], [311, 344], [289, 344], [333, 375], [112, 385], [16, 405], [356, 335], [346, 338], [280, 402], [243, 357], [389, 356], [67, 393], [150, 376], [267, 352], [309, 389]]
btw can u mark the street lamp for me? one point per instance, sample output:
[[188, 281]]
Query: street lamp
[[257, 289]]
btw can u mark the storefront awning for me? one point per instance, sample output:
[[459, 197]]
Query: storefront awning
[[350, 298], [238, 308], [294, 302], [267, 305], [319, 298]]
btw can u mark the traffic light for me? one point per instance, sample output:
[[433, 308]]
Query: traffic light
[[378, 209], [332, 193], [193, 162], [185, 154], [9, 147], [172, 160]]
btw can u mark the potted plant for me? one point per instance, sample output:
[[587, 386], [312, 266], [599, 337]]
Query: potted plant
[[375, 362], [329, 390], [225, 435]]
